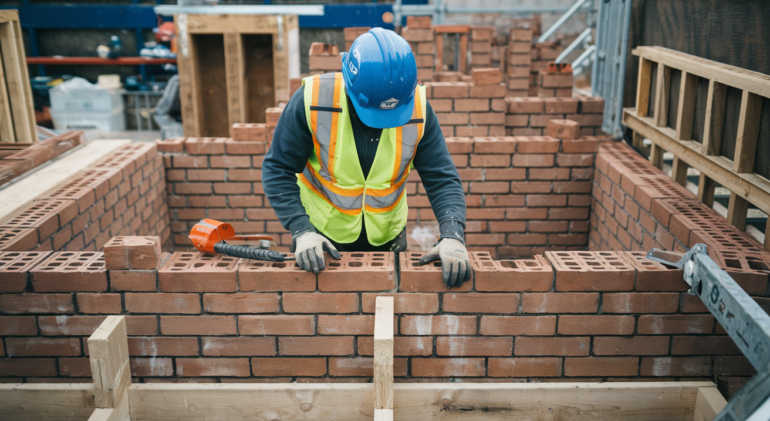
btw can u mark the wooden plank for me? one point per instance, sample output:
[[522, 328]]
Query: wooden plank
[[187, 78], [451, 29], [752, 187], [715, 118], [748, 132], [756, 83], [663, 90], [6, 119], [708, 404], [438, 61], [706, 187], [463, 64], [17, 82], [52, 402], [221, 24], [383, 359], [643, 87], [656, 156], [679, 171], [30, 122], [686, 111], [737, 211], [671, 401], [234, 72], [108, 350], [19, 196]]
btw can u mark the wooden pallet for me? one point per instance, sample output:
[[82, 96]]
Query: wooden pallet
[[232, 68], [113, 397], [17, 112], [737, 175]]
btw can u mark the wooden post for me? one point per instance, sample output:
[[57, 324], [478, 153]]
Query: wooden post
[[706, 186], [748, 132], [16, 79], [383, 359], [767, 237], [662, 91], [737, 210], [110, 369], [462, 65], [235, 69], [686, 110], [643, 87], [438, 61], [708, 404], [6, 129], [679, 171], [715, 116], [656, 156]]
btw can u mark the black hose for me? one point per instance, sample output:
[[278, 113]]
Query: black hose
[[248, 253]]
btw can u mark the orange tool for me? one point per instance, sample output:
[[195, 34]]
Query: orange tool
[[211, 236]]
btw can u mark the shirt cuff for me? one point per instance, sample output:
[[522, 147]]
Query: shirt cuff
[[452, 229], [301, 224]]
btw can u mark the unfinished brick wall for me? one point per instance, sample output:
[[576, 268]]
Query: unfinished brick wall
[[122, 195], [528, 116], [577, 316], [637, 207], [524, 194]]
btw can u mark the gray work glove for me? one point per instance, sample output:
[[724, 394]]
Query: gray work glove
[[309, 247], [455, 263]]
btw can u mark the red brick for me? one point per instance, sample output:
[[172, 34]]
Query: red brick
[[481, 303], [42, 347], [18, 326], [69, 325], [205, 175], [14, 267], [403, 303], [524, 367], [205, 145], [563, 129], [556, 302], [733, 366], [637, 345], [704, 345], [142, 325], [469, 346], [124, 280], [198, 272], [28, 367], [70, 271], [162, 346], [448, 367], [274, 276], [449, 89], [601, 366], [359, 272], [591, 271], [675, 323], [18, 239], [402, 346], [596, 325], [533, 160], [653, 276], [317, 345], [486, 161], [99, 303], [572, 346], [493, 145], [641, 302], [75, 367], [151, 367], [320, 303], [276, 325], [411, 22], [347, 325], [511, 275], [36, 303], [675, 366], [171, 145], [517, 325], [561, 105], [525, 105], [426, 278], [585, 144], [276, 367], [220, 367], [197, 325], [234, 347], [240, 303], [162, 303], [438, 325]]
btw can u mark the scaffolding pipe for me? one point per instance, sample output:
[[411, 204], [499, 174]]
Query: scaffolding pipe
[[587, 55], [575, 44], [572, 10]]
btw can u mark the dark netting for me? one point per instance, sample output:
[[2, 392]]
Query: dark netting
[[730, 125], [762, 158], [673, 98], [653, 89], [699, 116]]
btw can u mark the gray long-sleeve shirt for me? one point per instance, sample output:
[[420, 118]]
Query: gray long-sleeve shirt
[[293, 145]]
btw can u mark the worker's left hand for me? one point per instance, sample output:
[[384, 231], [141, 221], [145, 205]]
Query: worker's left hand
[[455, 263]]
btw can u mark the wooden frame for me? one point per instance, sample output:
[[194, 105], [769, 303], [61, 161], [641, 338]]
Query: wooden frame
[[113, 398], [737, 175], [461, 46], [17, 112], [232, 104]]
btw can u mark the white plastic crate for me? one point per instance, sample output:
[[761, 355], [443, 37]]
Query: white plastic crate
[[109, 121], [86, 100]]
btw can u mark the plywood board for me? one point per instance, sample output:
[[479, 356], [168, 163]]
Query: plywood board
[[51, 402]]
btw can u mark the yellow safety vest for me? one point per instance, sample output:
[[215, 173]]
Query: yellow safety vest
[[333, 189]]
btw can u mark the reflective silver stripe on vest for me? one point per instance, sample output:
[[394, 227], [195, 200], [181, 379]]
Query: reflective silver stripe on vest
[[409, 134], [340, 201], [324, 119], [383, 202]]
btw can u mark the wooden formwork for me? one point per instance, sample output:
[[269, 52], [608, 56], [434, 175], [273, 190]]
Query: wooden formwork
[[650, 119], [232, 68], [17, 112], [112, 397]]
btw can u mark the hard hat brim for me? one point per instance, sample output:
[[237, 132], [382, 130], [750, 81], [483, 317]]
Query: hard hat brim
[[384, 119]]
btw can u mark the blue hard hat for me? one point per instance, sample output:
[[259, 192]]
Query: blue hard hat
[[380, 75]]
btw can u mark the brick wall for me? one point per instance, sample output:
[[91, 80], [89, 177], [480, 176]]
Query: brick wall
[[637, 207], [581, 316], [528, 116], [122, 195], [524, 194]]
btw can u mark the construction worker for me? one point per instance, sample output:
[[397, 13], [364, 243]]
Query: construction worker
[[341, 153]]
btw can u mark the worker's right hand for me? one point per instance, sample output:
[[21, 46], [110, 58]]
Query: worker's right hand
[[309, 248]]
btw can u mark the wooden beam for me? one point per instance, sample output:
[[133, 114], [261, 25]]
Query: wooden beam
[[17, 81], [748, 132], [686, 110], [706, 187], [108, 349], [234, 70], [19, 196], [6, 128], [767, 236], [756, 83], [672, 401], [751, 187], [708, 404], [463, 64], [656, 156], [662, 92], [679, 171], [438, 61], [715, 118], [643, 87], [383, 359], [737, 211], [54, 402]]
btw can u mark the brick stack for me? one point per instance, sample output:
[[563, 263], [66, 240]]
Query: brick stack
[[481, 46], [637, 207], [524, 194], [272, 115], [528, 116], [352, 33], [198, 318], [419, 33], [324, 58], [519, 62], [121, 195], [555, 81], [14, 164], [466, 109], [249, 132]]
